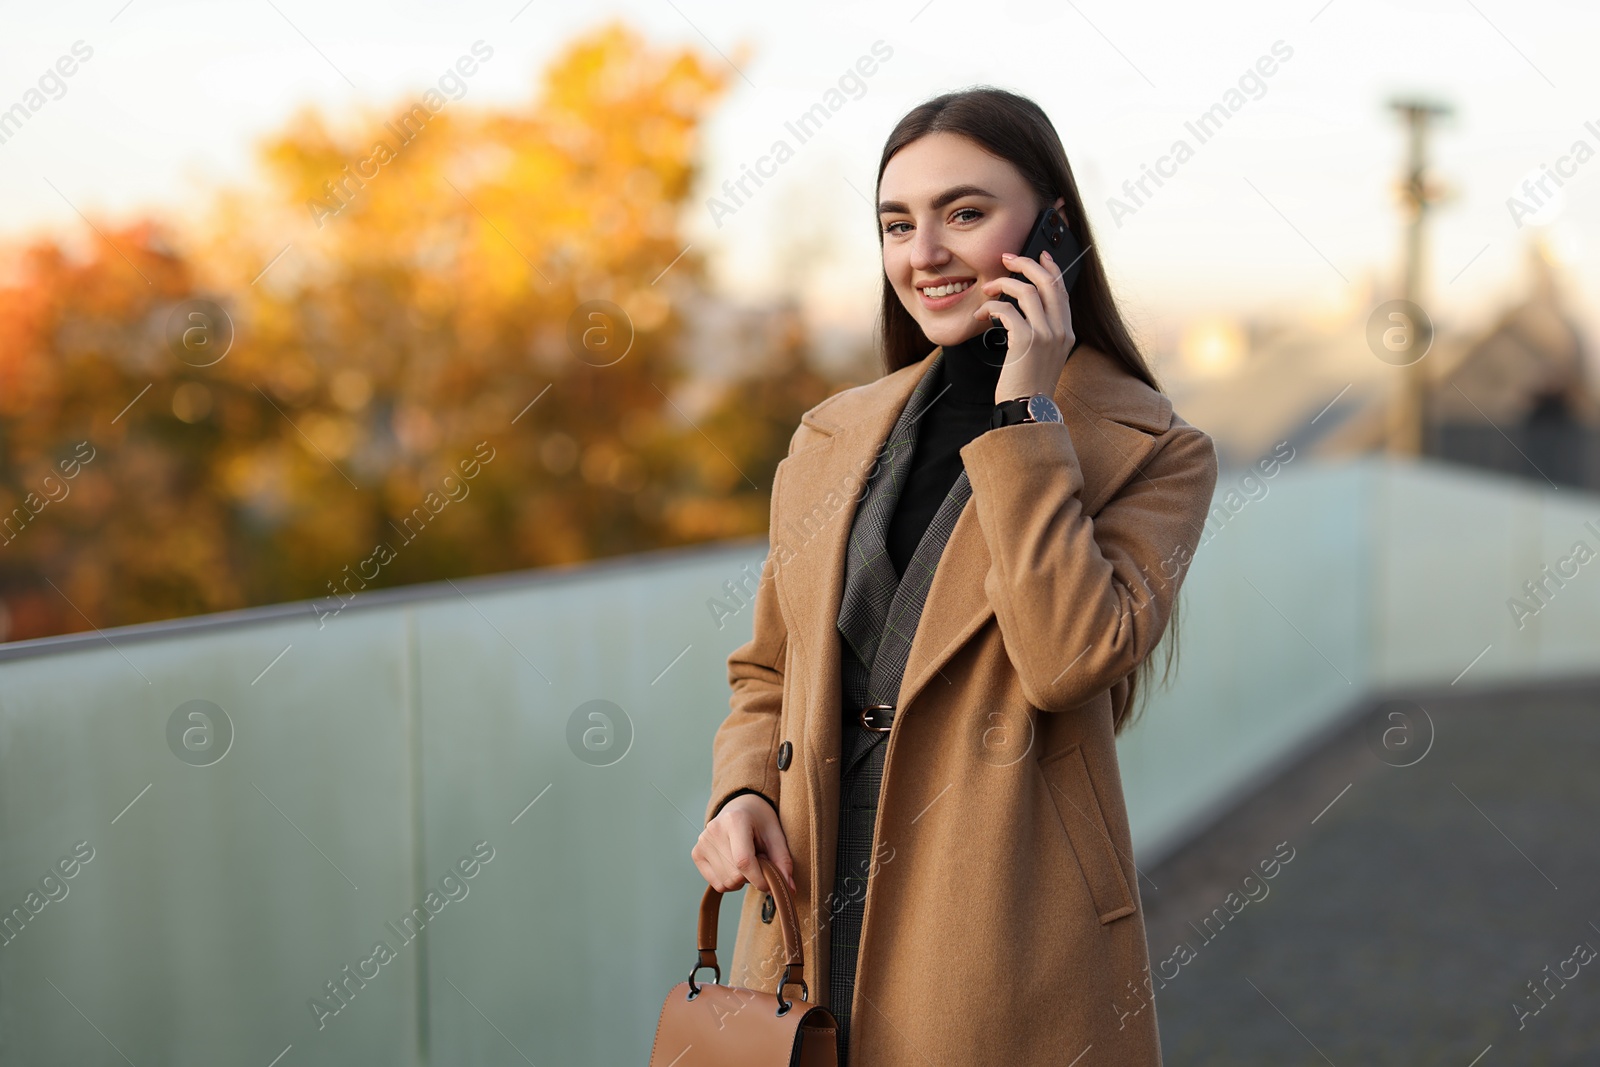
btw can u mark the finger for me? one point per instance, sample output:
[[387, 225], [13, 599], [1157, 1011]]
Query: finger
[[1045, 273], [1027, 297], [1016, 287], [1056, 293], [1055, 270], [714, 862], [742, 850], [1019, 332], [1021, 343], [1047, 287], [1009, 316], [701, 864], [1059, 270], [724, 843], [777, 850]]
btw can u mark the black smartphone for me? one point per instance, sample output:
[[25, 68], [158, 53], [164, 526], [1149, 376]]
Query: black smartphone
[[1051, 234]]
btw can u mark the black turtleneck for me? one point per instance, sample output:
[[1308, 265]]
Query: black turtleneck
[[965, 401]]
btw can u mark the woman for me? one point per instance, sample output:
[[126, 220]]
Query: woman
[[973, 586]]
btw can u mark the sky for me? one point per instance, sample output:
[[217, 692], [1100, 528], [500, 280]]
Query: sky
[[1289, 209]]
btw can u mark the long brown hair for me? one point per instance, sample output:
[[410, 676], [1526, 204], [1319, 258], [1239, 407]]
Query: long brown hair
[[1016, 129]]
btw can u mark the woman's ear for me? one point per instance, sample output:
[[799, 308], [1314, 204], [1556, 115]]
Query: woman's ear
[[1060, 203]]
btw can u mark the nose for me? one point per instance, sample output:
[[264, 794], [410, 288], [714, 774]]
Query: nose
[[928, 249]]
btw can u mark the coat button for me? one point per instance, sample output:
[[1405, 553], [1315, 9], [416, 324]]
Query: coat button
[[767, 909], [785, 753]]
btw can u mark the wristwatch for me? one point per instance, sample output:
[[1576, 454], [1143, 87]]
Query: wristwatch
[[1036, 408]]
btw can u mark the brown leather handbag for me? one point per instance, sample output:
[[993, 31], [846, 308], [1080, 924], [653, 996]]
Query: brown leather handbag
[[714, 1025]]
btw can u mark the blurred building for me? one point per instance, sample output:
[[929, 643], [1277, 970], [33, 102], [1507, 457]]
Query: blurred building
[[1518, 398]]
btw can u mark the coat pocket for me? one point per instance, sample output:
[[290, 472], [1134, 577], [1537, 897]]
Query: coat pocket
[[1066, 777]]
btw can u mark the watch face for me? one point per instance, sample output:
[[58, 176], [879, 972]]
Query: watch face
[[1043, 409]]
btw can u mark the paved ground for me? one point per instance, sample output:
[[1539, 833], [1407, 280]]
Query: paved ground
[[1415, 910]]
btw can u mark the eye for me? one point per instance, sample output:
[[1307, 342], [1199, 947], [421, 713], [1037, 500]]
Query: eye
[[891, 227], [965, 210]]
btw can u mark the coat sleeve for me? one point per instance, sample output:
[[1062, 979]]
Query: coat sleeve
[[1081, 602], [744, 749]]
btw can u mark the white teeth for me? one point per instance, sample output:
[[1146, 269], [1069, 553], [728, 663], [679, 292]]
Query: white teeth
[[936, 291]]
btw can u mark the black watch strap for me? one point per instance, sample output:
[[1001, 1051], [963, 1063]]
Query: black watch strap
[[1009, 413]]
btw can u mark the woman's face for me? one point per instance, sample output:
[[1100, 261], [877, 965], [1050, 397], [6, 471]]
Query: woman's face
[[948, 209]]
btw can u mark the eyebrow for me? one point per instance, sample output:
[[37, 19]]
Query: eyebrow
[[950, 195]]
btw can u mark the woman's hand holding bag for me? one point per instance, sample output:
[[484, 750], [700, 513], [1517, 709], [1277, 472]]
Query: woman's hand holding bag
[[726, 850], [713, 1025]]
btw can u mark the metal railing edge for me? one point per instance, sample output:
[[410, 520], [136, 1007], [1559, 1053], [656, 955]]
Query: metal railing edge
[[389, 597]]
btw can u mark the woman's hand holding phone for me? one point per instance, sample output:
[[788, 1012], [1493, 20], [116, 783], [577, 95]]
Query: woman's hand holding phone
[[1031, 304], [1039, 337]]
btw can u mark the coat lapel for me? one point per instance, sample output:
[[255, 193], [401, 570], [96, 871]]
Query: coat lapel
[[1112, 417], [870, 583], [822, 486]]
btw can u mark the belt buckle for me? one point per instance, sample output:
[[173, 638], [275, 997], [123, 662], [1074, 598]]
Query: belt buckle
[[867, 718]]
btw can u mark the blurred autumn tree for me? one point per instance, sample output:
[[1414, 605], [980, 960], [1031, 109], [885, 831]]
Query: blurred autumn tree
[[387, 314]]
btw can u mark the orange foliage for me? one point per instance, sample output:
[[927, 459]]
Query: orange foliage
[[378, 336]]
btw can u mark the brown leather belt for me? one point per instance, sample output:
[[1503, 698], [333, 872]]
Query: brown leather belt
[[876, 717]]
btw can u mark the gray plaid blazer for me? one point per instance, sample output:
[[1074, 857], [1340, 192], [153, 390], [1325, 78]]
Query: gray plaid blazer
[[877, 618]]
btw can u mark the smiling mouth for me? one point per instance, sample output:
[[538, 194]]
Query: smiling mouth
[[936, 292]]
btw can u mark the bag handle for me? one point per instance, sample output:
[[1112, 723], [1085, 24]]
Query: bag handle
[[788, 926]]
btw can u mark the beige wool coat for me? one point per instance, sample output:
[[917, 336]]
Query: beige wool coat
[[1002, 922]]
